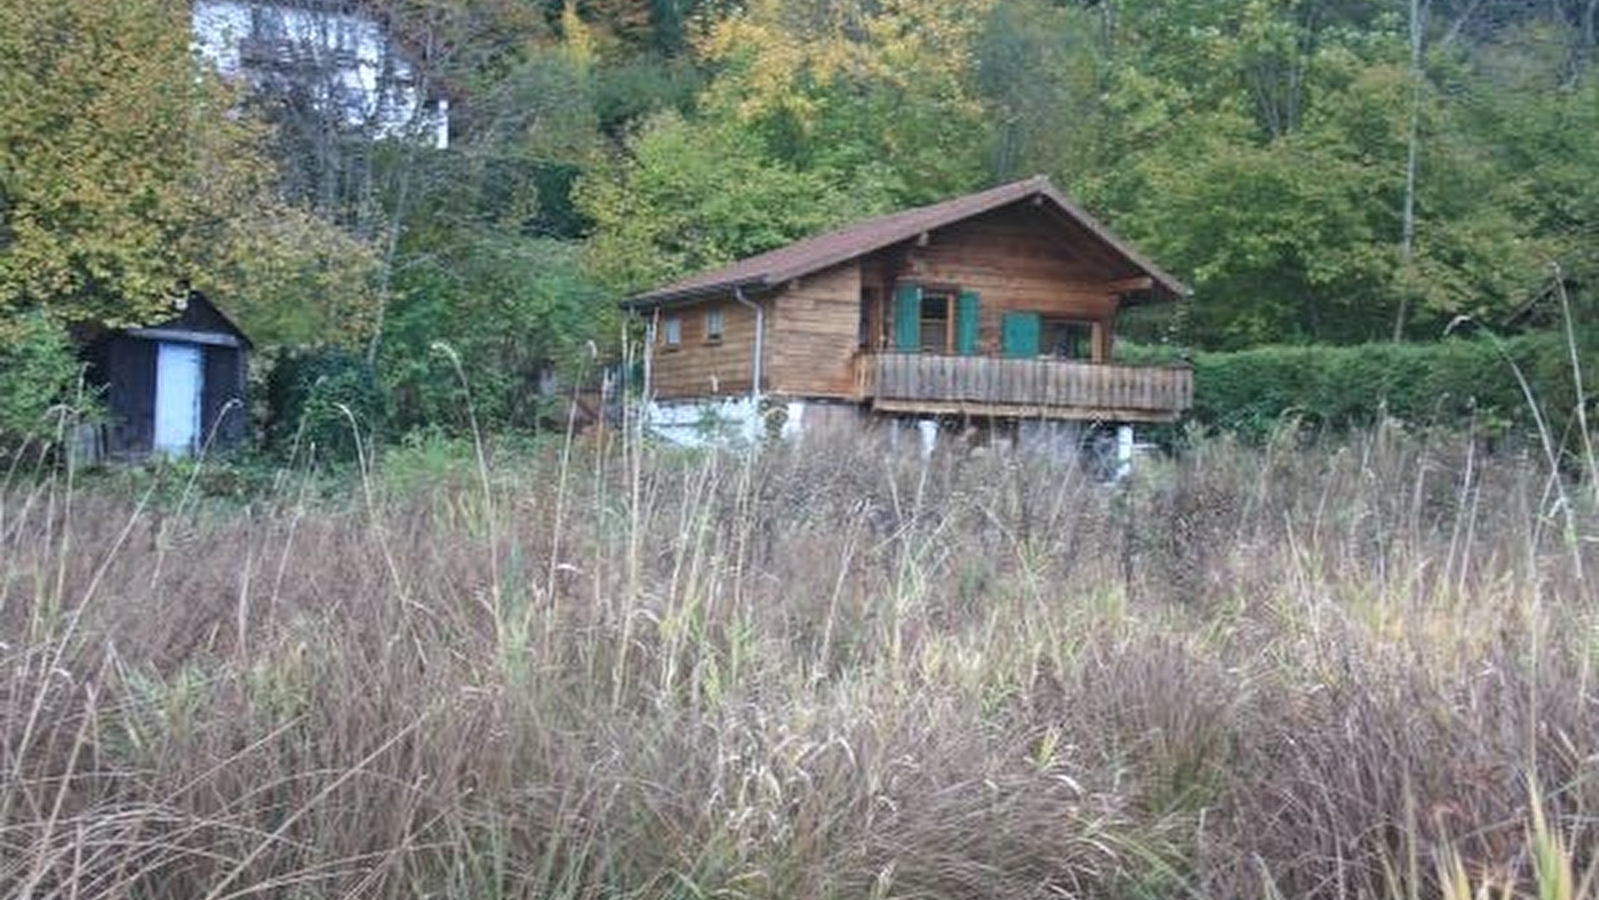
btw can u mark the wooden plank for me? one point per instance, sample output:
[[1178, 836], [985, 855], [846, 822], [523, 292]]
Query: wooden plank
[[1022, 411], [1034, 383], [1125, 285], [700, 368]]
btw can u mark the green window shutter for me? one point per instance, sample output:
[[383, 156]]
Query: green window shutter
[[966, 323], [907, 318], [1020, 332]]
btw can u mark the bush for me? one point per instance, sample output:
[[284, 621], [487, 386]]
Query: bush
[[1340, 388], [312, 396], [37, 372]]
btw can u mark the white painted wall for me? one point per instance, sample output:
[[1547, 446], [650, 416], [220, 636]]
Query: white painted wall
[[705, 423], [361, 71]]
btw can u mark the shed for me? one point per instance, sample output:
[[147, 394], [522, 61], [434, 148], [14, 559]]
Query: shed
[[174, 388]]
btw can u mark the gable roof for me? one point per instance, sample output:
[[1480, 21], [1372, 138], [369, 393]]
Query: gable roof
[[784, 264], [197, 315]]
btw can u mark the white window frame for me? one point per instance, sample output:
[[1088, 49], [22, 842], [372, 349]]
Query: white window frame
[[715, 325], [672, 331]]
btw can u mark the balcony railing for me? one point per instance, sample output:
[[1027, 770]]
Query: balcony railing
[[920, 382]]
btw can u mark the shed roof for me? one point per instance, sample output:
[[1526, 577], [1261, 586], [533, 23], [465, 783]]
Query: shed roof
[[197, 315], [776, 267]]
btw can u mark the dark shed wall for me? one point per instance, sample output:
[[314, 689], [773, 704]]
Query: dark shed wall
[[200, 315], [126, 369], [122, 365], [225, 369]]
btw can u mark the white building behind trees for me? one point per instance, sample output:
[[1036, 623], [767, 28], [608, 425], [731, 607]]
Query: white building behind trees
[[329, 56]]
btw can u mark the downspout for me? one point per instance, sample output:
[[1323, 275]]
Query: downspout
[[650, 329], [760, 341]]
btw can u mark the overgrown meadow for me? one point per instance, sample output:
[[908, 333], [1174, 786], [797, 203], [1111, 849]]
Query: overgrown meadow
[[1339, 668]]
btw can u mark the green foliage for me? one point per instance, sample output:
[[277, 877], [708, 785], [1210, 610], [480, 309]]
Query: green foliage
[[323, 403], [629, 90], [1452, 382], [486, 265], [1038, 69], [291, 277], [1256, 148], [528, 137], [38, 371], [511, 309], [880, 97], [1547, 145], [692, 195], [1292, 234], [97, 192], [127, 177]]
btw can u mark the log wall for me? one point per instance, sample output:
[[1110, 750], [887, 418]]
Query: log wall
[[699, 366], [812, 336], [1017, 260], [1022, 258]]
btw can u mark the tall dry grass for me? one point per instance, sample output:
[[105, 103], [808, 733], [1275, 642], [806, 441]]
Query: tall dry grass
[[1351, 671]]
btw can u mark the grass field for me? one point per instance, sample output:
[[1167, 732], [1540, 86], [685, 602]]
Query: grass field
[[1362, 670]]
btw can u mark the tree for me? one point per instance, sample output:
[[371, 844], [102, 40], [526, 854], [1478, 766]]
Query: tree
[[1289, 225], [104, 129], [127, 177], [687, 196], [1543, 138], [486, 263], [870, 93], [37, 372], [1040, 75], [510, 308]]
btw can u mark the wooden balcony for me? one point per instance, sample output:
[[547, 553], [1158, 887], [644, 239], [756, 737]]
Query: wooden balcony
[[1027, 388]]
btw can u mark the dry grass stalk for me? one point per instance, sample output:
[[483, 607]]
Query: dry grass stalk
[[1299, 672]]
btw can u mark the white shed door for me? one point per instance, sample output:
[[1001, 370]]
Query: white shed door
[[178, 381]]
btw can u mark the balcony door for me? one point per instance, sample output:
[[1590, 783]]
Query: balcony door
[[1072, 339]]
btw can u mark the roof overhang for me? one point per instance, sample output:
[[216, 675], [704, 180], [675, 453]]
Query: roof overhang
[[689, 295]]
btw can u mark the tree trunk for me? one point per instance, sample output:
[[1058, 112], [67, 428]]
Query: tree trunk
[[1407, 227], [1590, 14]]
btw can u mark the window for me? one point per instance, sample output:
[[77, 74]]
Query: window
[[935, 323], [942, 319], [714, 325], [1069, 339], [672, 331]]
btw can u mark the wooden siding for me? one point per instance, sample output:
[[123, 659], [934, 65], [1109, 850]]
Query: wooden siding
[[125, 366], [224, 417], [1018, 260], [934, 384], [699, 367], [812, 335]]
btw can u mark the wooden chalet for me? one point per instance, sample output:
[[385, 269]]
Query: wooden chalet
[[997, 306]]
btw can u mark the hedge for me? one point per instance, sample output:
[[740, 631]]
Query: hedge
[[1451, 383]]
